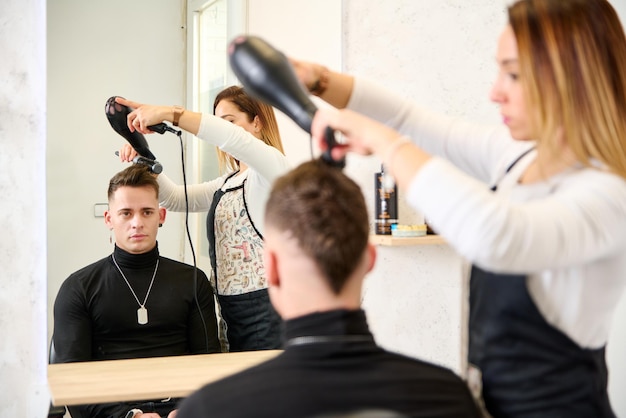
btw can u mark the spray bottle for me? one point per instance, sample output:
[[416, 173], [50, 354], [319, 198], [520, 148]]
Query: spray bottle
[[386, 202]]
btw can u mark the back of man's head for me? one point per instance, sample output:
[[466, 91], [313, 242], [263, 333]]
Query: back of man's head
[[135, 175], [325, 212]]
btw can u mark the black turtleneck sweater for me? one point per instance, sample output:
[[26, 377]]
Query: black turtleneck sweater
[[95, 312], [331, 364]]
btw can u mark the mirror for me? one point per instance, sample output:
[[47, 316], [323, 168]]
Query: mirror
[[137, 50]]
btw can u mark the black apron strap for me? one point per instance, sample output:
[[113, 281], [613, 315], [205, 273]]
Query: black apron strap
[[210, 226]]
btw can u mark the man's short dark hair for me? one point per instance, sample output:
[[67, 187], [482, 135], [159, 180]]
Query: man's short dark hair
[[326, 213], [136, 175]]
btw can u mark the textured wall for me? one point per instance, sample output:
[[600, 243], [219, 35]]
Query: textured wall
[[23, 386], [441, 54]]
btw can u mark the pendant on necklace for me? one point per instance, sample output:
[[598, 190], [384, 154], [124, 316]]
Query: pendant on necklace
[[142, 316]]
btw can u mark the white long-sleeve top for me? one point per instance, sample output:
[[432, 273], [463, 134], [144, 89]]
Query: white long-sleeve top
[[567, 234], [265, 164]]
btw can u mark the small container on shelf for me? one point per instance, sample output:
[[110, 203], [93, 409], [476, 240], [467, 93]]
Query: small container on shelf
[[398, 230]]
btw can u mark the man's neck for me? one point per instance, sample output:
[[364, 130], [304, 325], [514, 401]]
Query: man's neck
[[299, 309], [146, 259]]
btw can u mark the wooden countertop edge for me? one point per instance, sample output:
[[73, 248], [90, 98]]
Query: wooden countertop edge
[[389, 240]]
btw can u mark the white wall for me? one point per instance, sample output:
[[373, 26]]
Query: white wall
[[440, 54], [302, 29], [414, 314], [414, 296]]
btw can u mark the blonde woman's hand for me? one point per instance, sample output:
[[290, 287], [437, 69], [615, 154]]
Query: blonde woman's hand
[[361, 134], [144, 115], [127, 153], [307, 72], [365, 136]]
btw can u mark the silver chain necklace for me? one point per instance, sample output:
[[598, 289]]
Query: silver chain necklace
[[142, 312]]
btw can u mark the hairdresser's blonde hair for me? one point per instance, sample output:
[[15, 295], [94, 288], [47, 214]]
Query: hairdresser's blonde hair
[[572, 57], [251, 107]]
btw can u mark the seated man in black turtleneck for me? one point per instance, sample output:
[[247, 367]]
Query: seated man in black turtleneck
[[316, 257], [133, 303]]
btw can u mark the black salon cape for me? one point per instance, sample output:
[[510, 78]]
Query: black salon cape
[[308, 380], [95, 315]]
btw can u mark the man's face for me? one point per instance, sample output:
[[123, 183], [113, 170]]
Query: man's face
[[134, 216]]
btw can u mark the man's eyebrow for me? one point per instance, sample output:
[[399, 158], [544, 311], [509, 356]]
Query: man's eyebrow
[[144, 208]]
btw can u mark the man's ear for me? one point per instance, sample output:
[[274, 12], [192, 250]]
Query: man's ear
[[270, 261], [371, 255], [162, 213], [107, 219], [271, 268]]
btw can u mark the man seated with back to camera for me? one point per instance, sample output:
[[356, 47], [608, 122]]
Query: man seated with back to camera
[[317, 254], [133, 303]]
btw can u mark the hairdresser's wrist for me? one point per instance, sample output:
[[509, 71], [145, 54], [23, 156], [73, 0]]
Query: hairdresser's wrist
[[392, 148], [332, 87], [177, 112], [320, 82]]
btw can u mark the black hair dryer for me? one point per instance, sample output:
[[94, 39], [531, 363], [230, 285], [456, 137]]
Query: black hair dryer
[[267, 75], [116, 115]]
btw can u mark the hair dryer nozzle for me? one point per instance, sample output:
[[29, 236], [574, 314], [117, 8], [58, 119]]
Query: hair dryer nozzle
[[154, 166], [116, 115]]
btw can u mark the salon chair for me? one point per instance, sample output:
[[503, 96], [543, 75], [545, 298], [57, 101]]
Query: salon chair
[[55, 411]]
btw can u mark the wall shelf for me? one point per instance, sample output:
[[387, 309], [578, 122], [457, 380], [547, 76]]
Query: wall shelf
[[392, 241]]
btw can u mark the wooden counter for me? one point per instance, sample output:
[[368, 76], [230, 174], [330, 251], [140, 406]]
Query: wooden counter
[[142, 379]]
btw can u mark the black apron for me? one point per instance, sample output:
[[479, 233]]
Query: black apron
[[529, 368], [251, 321]]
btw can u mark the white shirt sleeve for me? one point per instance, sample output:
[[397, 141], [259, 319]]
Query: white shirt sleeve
[[264, 159], [577, 218], [200, 196], [479, 150], [265, 164]]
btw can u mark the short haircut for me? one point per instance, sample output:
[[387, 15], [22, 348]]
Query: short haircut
[[136, 175], [325, 212]]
